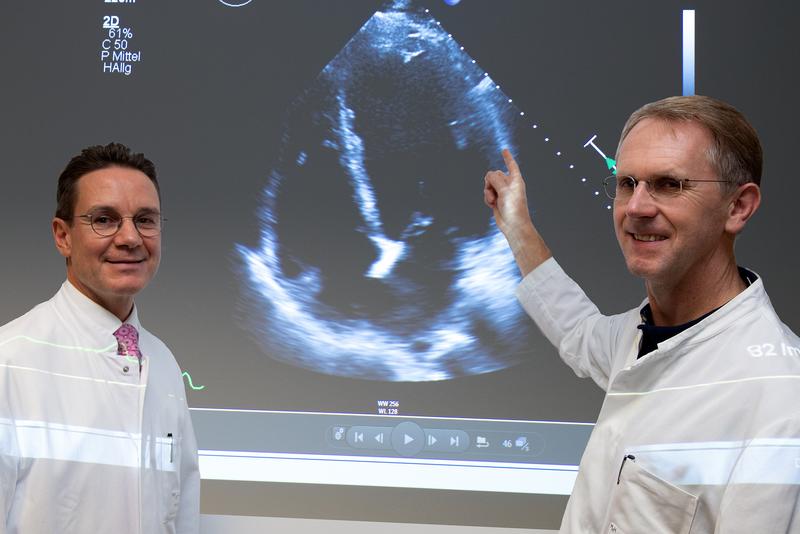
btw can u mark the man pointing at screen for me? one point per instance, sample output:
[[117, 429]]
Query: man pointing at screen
[[700, 427], [95, 434]]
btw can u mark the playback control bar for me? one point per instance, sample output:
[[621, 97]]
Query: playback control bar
[[407, 439], [436, 438], [410, 439]]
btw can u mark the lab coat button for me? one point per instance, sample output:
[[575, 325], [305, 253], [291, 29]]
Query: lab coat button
[[126, 369]]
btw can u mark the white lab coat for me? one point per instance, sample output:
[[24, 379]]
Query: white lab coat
[[87, 443], [711, 418]]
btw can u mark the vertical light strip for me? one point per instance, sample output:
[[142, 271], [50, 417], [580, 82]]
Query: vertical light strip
[[688, 52]]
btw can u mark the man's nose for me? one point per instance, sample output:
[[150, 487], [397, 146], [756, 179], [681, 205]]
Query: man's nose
[[641, 203], [127, 234]]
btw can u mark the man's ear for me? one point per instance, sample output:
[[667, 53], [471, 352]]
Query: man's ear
[[62, 235], [743, 204]]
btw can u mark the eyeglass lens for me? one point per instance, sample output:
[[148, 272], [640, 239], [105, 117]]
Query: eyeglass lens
[[106, 224]]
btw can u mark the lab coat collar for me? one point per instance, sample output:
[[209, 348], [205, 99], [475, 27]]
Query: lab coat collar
[[92, 317], [750, 300]]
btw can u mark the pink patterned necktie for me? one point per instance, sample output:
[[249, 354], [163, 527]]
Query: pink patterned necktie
[[128, 341]]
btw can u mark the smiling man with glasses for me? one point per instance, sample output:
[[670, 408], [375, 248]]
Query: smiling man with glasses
[[700, 428], [95, 433]]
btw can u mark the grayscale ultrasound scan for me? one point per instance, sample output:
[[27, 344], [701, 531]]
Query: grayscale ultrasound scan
[[380, 274]]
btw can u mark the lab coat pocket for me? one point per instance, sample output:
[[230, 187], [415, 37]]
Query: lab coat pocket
[[642, 503]]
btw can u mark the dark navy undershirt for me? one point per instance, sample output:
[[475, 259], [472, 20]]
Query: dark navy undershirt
[[652, 335]]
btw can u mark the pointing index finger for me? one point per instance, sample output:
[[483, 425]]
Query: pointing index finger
[[511, 165]]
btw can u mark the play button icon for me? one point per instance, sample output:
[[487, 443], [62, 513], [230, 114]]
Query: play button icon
[[408, 438]]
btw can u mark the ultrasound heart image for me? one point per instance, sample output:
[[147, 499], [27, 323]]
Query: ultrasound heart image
[[377, 258]]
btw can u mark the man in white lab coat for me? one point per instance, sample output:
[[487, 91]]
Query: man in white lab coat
[[700, 428], [95, 433]]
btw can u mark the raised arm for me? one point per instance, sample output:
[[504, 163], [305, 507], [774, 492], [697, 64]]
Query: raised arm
[[504, 192], [560, 308]]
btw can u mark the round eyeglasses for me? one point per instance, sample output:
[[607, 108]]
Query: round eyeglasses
[[108, 224], [660, 188]]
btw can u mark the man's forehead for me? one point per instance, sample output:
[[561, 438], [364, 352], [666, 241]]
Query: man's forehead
[[114, 186], [666, 145], [108, 208], [669, 128]]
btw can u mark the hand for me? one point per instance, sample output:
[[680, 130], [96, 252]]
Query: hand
[[505, 194]]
